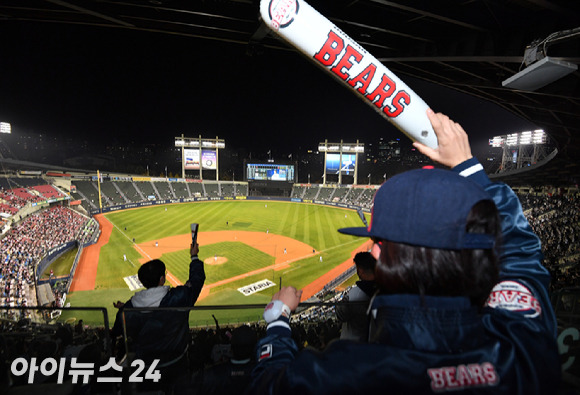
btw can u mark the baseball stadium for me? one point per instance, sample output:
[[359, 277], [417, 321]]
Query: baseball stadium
[[177, 262]]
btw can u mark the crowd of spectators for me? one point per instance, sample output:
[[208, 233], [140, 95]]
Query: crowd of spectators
[[16, 198], [27, 243], [211, 349], [556, 220], [28, 340]]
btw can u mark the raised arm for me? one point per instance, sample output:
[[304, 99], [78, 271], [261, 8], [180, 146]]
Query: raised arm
[[520, 252], [196, 274]]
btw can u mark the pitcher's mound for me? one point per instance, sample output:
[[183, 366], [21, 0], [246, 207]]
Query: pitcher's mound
[[215, 260]]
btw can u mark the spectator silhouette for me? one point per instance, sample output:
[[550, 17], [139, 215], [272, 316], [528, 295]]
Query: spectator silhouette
[[162, 335], [355, 322]]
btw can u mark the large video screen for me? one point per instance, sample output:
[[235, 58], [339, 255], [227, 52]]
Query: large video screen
[[208, 159], [191, 159], [347, 167], [270, 172]]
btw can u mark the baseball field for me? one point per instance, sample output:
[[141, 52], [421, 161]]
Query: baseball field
[[249, 249]]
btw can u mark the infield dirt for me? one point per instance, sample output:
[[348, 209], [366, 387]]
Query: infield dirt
[[284, 249]]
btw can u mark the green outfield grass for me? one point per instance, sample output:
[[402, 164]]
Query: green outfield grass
[[62, 265], [311, 224]]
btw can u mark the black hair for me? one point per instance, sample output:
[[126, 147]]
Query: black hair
[[365, 261], [243, 342], [404, 268], [150, 273]]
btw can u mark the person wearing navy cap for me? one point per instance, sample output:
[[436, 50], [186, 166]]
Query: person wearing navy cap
[[463, 298]]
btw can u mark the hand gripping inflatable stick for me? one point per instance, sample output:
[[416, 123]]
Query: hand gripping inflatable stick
[[329, 47]]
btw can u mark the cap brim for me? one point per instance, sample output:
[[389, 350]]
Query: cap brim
[[359, 231]]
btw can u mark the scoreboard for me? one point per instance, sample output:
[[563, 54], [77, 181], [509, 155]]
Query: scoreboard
[[270, 172]]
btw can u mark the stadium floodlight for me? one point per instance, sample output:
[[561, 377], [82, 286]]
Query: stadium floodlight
[[535, 137], [497, 141], [5, 128], [511, 139], [521, 150], [525, 137], [539, 137]]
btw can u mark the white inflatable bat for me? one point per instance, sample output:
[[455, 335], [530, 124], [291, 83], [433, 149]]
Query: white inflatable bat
[[329, 47]]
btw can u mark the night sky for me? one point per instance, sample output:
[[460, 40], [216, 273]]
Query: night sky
[[131, 86]]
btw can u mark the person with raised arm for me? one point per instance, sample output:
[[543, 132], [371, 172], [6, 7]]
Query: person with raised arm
[[463, 297]]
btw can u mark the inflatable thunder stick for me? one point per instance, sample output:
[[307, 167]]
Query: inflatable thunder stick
[[329, 47]]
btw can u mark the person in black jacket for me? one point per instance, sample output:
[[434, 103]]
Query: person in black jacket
[[162, 335], [233, 376], [355, 323]]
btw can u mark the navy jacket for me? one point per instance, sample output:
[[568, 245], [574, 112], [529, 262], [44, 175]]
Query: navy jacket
[[439, 344], [162, 335]]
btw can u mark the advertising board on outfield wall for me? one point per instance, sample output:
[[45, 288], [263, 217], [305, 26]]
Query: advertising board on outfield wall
[[227, 198]]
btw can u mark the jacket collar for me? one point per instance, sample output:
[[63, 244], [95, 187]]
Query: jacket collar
[[428, 323]]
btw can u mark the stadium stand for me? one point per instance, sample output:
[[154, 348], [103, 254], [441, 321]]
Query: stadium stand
[[297, 191], [196, 189], [8, 209], [180, 189], [365, 199], [164, 190], [27, 243], [241, 189], [111, 194], [227, 189], [126, 190], [212, 190], [311, 192], [19, 197], [340, 194], [325, 194], [21, 182], [156, 191], [47, 191], [146, 190], [87, 193], [556, 219], [136, 195]]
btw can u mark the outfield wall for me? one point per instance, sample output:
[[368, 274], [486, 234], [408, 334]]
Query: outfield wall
[[222, 198]]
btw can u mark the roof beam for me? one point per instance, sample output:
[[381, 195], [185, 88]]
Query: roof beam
[[90, 12]]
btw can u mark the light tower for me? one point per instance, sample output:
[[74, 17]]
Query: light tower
[[344, 155], [199, 153], [521, 149]]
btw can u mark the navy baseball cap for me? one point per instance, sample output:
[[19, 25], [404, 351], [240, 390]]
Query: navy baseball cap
[[426, 207]]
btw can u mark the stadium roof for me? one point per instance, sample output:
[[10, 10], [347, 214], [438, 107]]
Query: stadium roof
[[470, 46]]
